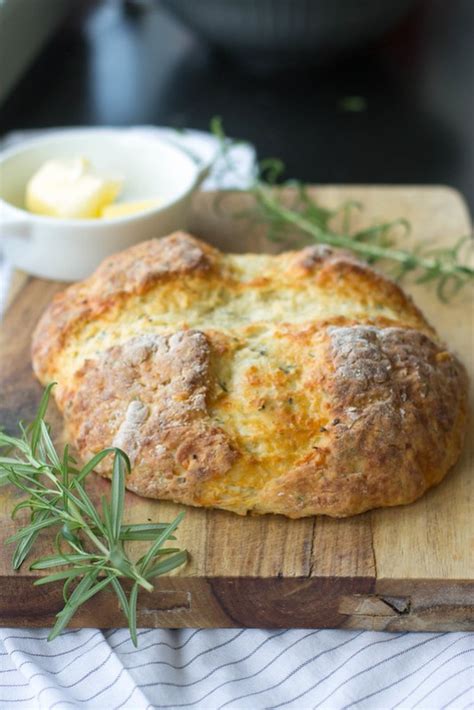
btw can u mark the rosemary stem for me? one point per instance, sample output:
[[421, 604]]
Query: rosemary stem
[[77, 517], [143, 582], [95, 539], [367, 250]]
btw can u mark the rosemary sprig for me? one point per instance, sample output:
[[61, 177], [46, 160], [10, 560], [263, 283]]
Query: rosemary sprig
[[374, 244], [91, 548], [314, 223]]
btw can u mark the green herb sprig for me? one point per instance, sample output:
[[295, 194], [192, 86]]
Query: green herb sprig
[[303, 217], [90, 545]]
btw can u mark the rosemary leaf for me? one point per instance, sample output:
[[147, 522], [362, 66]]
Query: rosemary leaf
[[118, 496], [73, 603], [168, 564], [57, 560], [65, 574], [145, 561], [146, 531]]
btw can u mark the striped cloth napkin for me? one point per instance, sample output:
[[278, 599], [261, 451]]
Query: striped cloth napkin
[[239, 669], [236, 669]]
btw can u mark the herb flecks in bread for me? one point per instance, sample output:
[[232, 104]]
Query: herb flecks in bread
[[300, 384]]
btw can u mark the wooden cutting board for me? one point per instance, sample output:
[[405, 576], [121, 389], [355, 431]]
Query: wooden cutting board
[[406, 568]]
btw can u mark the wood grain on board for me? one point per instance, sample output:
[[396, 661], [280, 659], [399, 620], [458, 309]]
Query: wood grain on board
[[405, 568]]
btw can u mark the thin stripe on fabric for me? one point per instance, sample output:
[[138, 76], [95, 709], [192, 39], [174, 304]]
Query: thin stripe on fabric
[[46, 645], [408, 675], [152, 645], [371, 668], [69, 663], [439, 685], [435, 670], [211, 672], [79, 680], [239, 669], [385, 660], [162, 643], [291, 674], [359, 651], [248, 677], [97, 669], [460, 695], [236, 680]]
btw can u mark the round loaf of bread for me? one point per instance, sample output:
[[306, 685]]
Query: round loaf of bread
[[302, 384]]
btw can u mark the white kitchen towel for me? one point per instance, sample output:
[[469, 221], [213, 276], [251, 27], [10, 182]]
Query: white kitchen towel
[[239, 669], [244, 669]]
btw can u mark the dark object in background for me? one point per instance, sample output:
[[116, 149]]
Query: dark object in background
[[289, 29], [25, 29]]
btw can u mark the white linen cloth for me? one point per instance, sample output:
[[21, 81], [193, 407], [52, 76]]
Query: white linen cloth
[[239, 669], [236, 669]]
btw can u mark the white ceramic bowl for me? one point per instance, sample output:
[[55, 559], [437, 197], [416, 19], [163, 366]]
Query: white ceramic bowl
[[70, 249]]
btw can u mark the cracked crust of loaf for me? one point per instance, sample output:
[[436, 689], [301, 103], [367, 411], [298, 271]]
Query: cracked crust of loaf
[[301, 384], [148, 397]]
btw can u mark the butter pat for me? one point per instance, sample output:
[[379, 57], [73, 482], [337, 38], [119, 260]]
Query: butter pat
[[70, 189], [123, 209]]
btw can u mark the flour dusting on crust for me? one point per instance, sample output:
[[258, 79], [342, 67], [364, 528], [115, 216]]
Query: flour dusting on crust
[[127, 437]]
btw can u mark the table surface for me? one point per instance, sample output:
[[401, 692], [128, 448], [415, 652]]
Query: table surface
[[117, 67]]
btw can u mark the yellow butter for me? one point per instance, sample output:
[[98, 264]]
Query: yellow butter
[[123, 209], [70, 189]]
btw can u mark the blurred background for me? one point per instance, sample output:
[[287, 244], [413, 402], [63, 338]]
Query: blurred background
[[343, 91]]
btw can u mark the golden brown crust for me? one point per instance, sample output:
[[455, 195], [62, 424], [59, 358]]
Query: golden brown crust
[[148, 397], [300, 384], [132, 271], [393, 431]]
